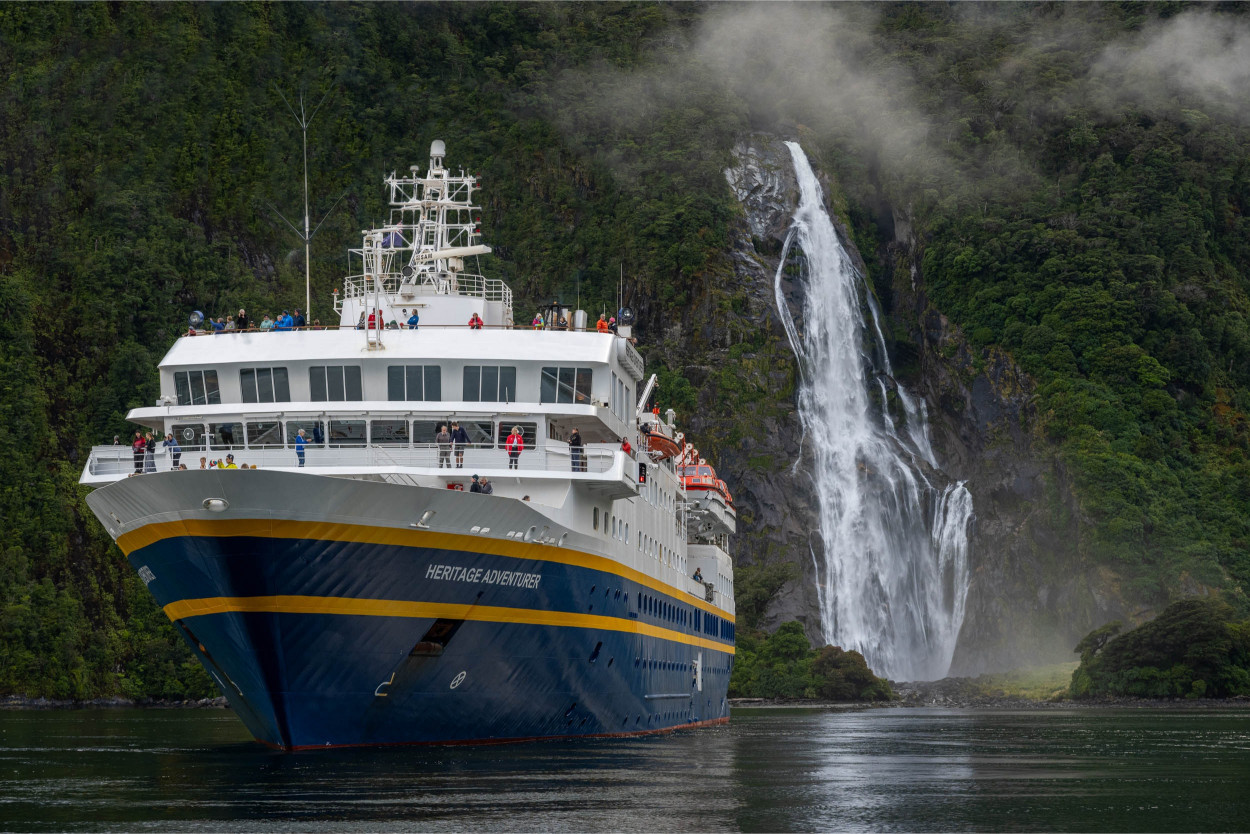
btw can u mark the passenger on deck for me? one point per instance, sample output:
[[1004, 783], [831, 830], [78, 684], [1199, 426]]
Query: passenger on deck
[[538, 321], [230, 464], [360, 324], [612, 324], [203, 463], [626, 448], [218, 326], [266, 323], [298, 321], [515, 444], [475, 322], [459, 440], [698, 574], [242, 322], [175, 451], [487, 489], [601, 326], [230, 323], [414, 320], [577, 451], [139, 447], [443, 439], [149, 453], [563, 323], [300, 443], [373, 319], [475, 486]]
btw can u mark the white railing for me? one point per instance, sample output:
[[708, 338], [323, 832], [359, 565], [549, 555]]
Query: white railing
[[119, 460], [472, 286]]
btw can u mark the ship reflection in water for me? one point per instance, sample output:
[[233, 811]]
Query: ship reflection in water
[[768, 770]]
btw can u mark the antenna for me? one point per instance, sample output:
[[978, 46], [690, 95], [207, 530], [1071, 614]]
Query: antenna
[[304, 119]]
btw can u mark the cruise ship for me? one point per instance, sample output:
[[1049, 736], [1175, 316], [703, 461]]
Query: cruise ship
[[330, 562]]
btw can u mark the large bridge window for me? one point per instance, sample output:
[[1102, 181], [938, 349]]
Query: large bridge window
[[390, 432], [489, 383], [334, 383], [225, 435], [264, 385], [190, 436], [566, 385], [197, 387], [264, 435], [347, 432], [422, 383]]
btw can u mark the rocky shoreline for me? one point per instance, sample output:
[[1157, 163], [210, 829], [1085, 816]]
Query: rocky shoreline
[[930, 695], [22, 702]]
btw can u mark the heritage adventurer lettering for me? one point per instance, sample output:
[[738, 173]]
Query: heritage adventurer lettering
[[507, 578]]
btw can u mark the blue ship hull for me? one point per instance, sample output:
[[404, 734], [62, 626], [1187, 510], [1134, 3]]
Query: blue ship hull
[[331, 635]]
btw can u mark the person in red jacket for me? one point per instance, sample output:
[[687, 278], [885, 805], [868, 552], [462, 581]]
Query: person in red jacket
[[515, 444], [626, 448]]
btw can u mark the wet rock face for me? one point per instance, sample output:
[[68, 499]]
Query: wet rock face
[[768, 469], [1032, 595]]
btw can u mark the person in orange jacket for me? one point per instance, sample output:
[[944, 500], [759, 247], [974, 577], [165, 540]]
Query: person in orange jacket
[[601, 326]]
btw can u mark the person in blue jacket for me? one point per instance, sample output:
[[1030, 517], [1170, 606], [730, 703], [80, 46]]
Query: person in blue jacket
[[299, 446], [414, 320]]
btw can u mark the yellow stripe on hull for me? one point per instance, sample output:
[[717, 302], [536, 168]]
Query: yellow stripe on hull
[[349, 606]]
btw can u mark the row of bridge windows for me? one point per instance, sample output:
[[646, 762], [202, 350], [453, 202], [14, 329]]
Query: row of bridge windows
[[404, 383]]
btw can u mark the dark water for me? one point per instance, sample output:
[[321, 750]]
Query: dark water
[[769, 770]]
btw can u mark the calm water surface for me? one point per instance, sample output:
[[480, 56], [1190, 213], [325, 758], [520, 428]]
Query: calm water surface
[[770, 770]]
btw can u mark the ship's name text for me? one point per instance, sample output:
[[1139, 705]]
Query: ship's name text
[[456, 573]]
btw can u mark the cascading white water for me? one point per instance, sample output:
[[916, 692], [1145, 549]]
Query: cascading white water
[[893, 575]]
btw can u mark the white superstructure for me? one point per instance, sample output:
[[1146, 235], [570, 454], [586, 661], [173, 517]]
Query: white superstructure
[[370, 400]]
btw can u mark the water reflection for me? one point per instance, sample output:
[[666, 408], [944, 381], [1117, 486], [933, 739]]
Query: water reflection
[[890, 769]]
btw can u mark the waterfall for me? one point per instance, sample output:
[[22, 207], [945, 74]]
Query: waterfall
[[892, 577]]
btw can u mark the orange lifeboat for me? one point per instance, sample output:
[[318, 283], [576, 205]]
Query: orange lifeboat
[[699, 477], [661, 446]]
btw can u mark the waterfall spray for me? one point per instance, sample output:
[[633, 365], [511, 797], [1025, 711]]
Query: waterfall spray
[[892, 577]]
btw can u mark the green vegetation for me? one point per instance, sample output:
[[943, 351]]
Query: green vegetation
[[1098, 237], [784, 664], [1196, 648]]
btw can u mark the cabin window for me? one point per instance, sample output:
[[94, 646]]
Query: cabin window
[[264, 435], [596, 518], [565, 385], [190, 436], [264, 385], [225, 435], [314, 432], [389, 432], [489, 384], [529, 431], [347, 432], [197, 387], [419, 383], [334, 383]]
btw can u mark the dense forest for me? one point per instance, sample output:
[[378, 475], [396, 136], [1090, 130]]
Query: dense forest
[[1077, 177]]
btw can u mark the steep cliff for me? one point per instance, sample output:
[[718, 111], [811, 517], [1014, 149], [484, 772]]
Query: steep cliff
[[1032, 594]]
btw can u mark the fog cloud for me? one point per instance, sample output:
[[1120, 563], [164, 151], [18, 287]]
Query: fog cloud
[[1193, 60]]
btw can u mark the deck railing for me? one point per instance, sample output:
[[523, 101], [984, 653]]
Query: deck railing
[[119, 460]]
